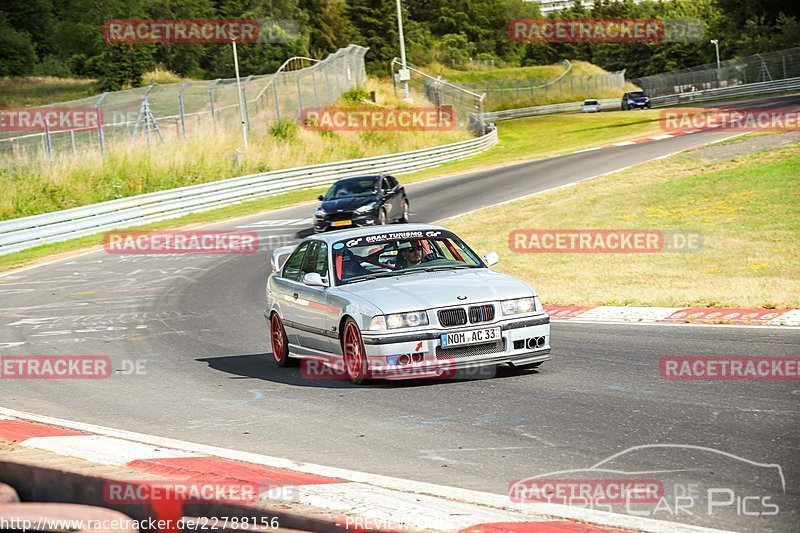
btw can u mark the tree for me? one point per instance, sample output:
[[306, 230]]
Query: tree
[[375, 22]]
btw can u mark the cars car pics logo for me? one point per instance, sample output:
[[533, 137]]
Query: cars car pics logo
[[378, 119], [50, 119], [728, 368], [610, 241], [180, 242]]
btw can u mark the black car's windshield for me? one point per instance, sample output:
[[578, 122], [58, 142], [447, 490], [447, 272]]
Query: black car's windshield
[[637, 94], [351, 187], [400, 252]]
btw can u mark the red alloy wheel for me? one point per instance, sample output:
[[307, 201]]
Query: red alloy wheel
[[354, 356]]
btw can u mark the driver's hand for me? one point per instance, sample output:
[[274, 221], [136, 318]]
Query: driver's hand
[[430, 257]]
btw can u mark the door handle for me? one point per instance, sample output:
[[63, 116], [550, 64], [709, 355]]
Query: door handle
[[294, 296]]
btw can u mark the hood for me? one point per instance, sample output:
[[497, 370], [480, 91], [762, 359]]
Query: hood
[[347, 204], [427, 290]]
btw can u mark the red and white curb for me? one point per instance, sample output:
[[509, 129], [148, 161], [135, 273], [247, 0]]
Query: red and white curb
[[675, 315], [642, 140], [380, 502]]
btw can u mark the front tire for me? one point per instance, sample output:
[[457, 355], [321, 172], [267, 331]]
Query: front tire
[[355, 357], [280, 343], [404, 218]]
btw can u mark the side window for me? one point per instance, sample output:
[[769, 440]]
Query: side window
[[392, 182], [321, 266], [310, 260], [291, 270], [385, 187]]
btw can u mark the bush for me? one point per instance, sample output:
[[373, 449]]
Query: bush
[[355, 96], [52, 66], [284, 130]]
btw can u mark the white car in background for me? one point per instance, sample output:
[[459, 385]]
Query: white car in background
[[590, 106]]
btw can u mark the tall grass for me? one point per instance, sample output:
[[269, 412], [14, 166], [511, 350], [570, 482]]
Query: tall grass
[[30, 186]]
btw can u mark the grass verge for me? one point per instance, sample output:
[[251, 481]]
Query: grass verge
[[522, 139], [746, 208]]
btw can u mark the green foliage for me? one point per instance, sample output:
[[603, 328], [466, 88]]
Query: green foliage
[[355, 96], [17, 54], [285, 130]]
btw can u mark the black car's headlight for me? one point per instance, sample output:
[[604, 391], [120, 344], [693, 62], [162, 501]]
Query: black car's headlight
[[521, 305], [399, 320], [367, 208], [320, 212]]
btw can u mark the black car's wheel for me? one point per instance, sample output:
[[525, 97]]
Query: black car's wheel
[[381, 217], [355, 357], [280, 343], [404, 217]]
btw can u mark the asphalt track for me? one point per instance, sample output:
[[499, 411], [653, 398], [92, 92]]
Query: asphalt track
[[195, 325]]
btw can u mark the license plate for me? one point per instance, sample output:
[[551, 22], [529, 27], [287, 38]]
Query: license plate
[[340, 223], [475, 336]]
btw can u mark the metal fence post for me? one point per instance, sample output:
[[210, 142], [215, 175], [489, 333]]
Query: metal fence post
[[180, 108], [275, 96], [211, 102], [100, 140], [299, 98], [244, 101]]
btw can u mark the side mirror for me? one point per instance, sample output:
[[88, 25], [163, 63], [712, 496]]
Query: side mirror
[[321, 198], [491, 258], [313, 279]]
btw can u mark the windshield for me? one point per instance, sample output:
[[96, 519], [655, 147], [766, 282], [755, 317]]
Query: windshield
[[399, 253], [590, 102], [351, 187], [637, 94]]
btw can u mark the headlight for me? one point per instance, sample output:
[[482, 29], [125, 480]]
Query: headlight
[[400, 320], [320, 212], [366, 208], [518, 306]]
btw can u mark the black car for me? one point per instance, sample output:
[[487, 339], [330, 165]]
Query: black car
[[362, 201], [635, 99]]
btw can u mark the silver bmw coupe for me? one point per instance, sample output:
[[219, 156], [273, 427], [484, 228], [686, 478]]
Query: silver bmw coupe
[[416, 302]]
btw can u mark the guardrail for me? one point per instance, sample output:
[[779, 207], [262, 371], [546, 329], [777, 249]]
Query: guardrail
[[569, 107], [28, 232], [749, 89]]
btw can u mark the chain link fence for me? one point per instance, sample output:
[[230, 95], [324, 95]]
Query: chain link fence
[[757, 68], [173, 112], [467, 105]]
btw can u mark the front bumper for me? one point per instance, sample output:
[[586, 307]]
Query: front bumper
[[523, 341], [355, 219]]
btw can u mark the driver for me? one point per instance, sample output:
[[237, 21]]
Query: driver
[[409, 253]]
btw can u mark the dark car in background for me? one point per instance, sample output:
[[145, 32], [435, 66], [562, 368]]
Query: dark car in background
[[362, 201], [635, 100]]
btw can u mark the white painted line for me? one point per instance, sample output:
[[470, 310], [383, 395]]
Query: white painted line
[[102, 449], [660, 137], [497, 501], [589, 150], [623, 143]]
